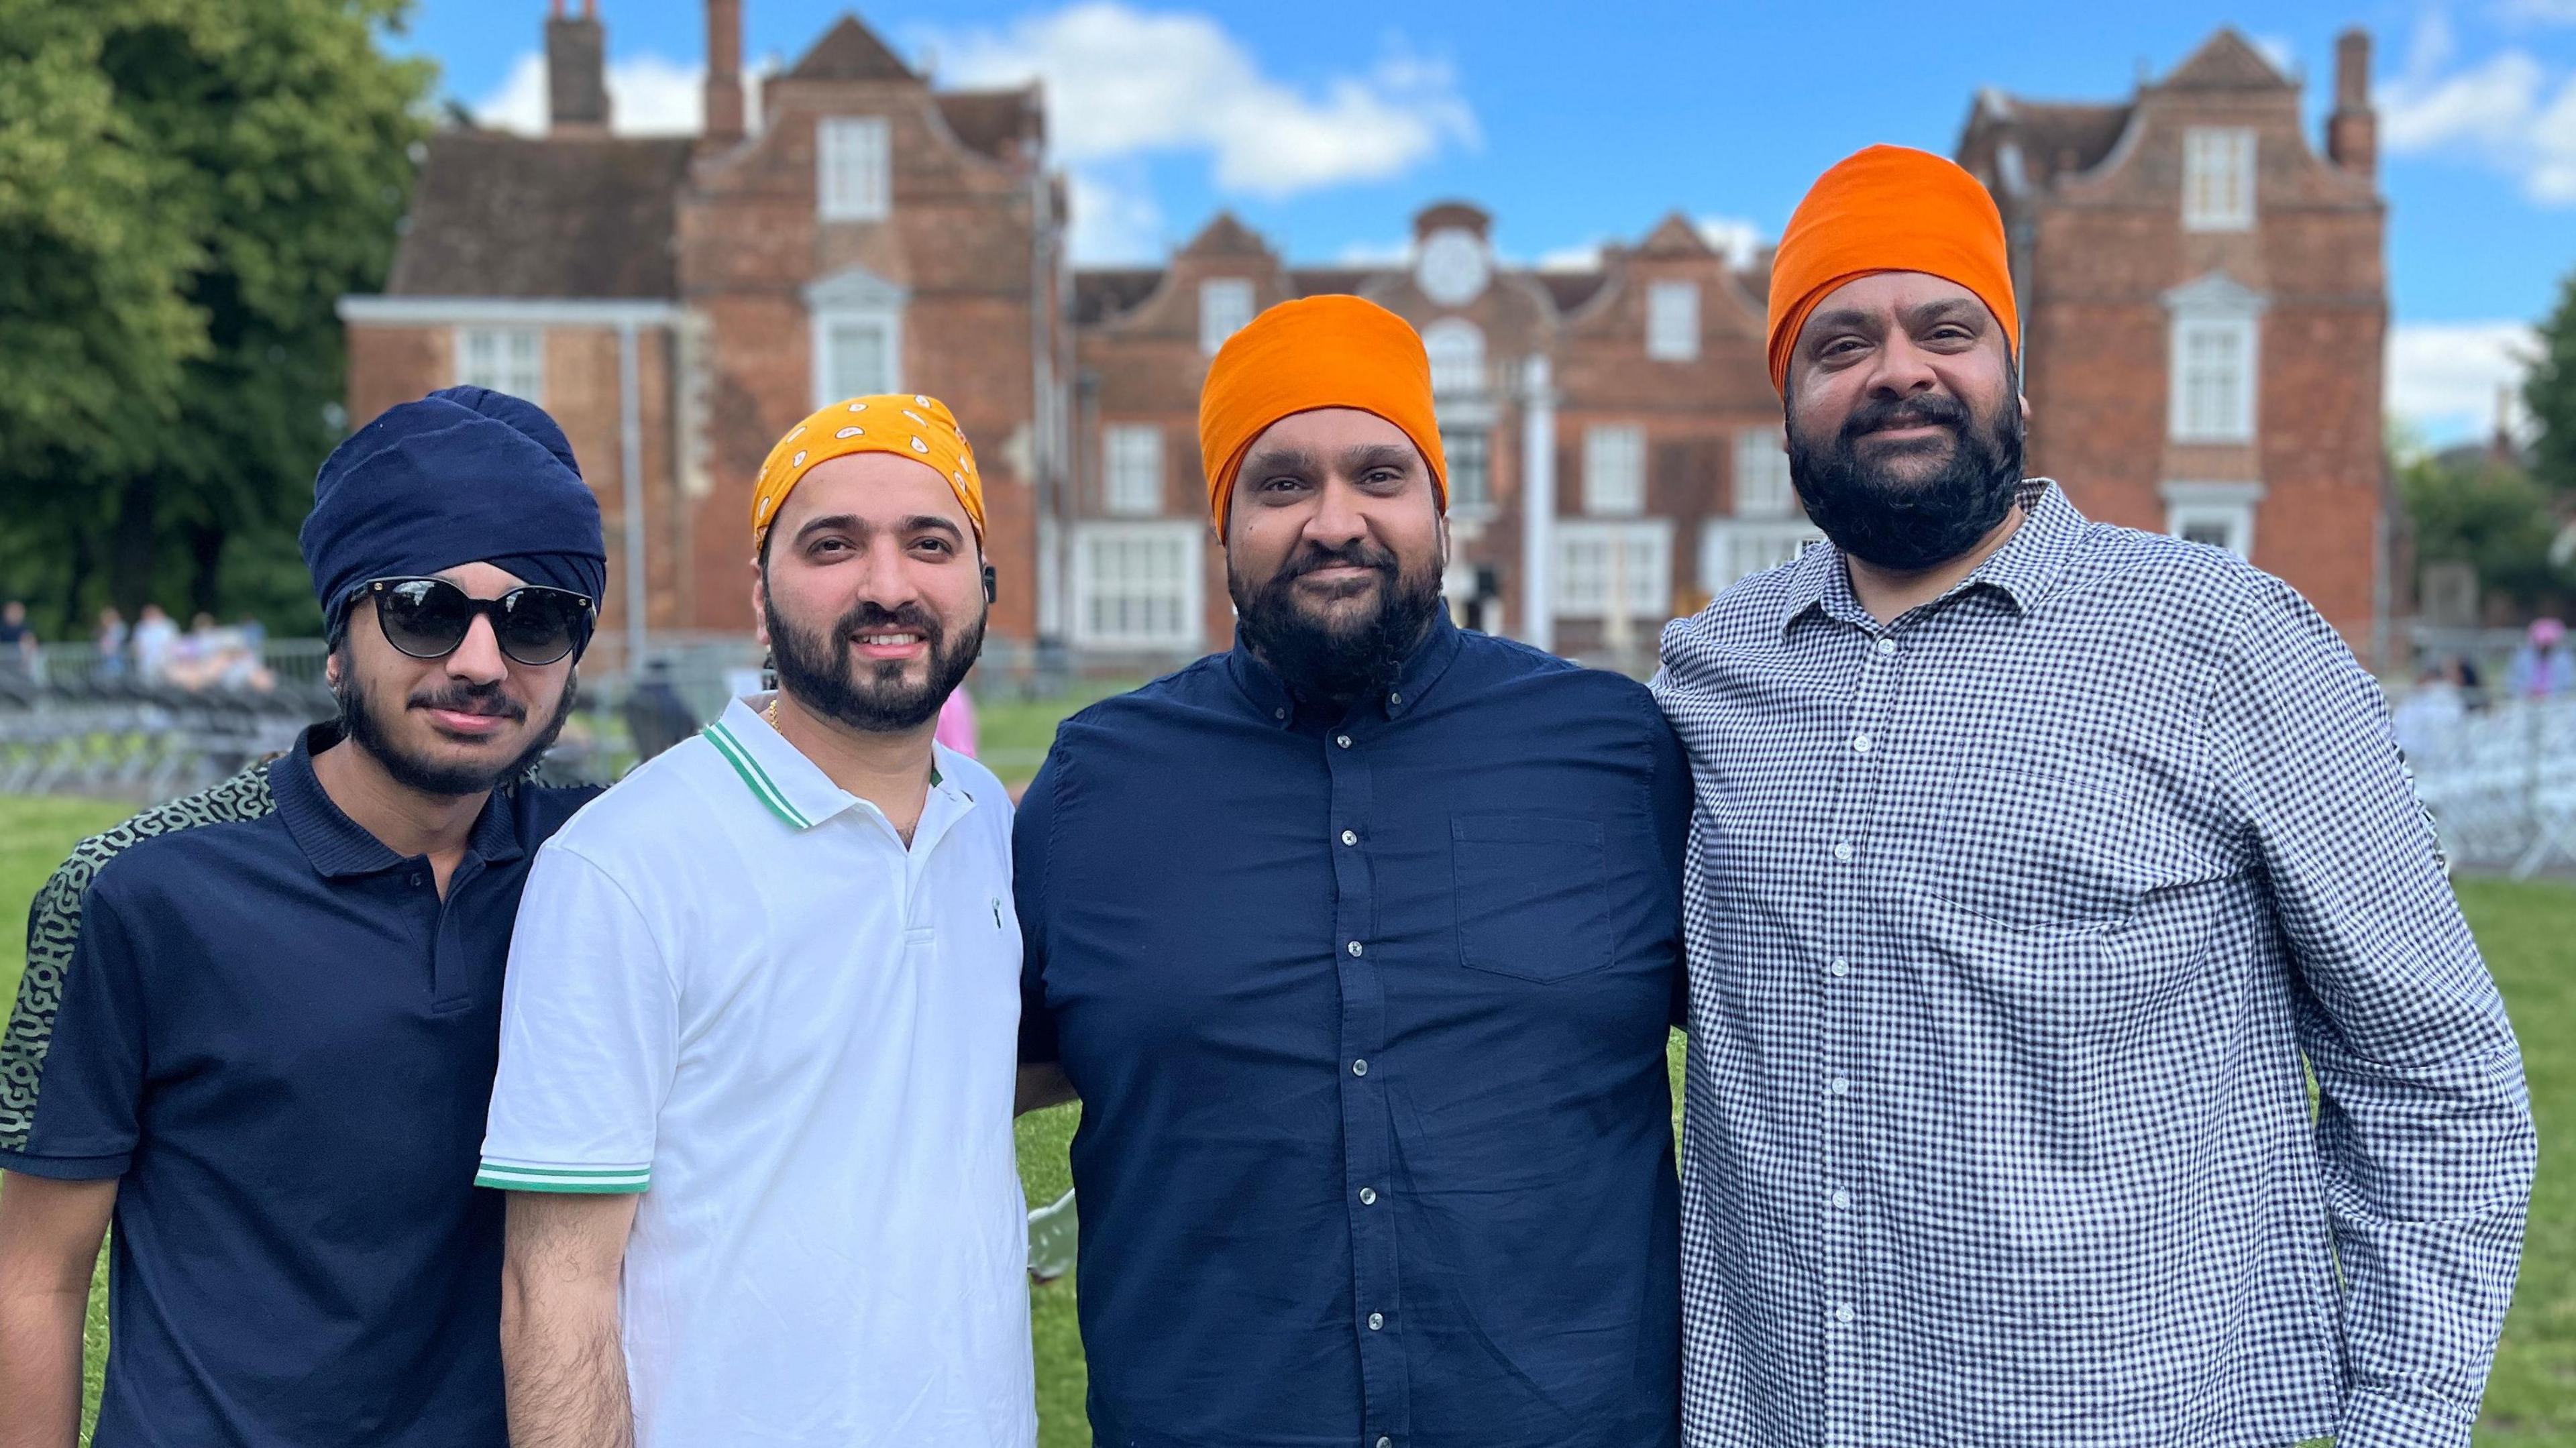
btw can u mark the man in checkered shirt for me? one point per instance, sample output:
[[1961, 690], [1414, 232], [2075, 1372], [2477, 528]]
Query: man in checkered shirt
[[2031, 859]]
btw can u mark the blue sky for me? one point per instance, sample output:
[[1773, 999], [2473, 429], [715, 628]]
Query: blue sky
[[1328, 123]]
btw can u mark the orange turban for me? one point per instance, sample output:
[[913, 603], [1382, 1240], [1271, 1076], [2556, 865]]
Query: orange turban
[[1328, 351], [1886, 209], [908, 426]]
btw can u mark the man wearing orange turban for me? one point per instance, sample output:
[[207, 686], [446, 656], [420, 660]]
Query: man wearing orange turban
[[2041, 860], [1360, 942]]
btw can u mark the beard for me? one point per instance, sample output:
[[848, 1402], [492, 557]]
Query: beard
[[867, 695], [1878, 517], [423, 775], [1336, 661]]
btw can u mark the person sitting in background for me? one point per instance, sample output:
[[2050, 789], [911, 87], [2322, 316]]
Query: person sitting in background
[[155, 637], [17, 640], [656, 716], [110, 641], [2426, 719], [2541, 668]]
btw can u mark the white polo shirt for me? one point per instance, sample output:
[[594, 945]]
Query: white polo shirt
[[734, 990]]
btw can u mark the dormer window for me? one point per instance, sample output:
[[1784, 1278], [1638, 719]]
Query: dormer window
[[1225, 308], [853, 168], [2217, 179], [1672, 321]]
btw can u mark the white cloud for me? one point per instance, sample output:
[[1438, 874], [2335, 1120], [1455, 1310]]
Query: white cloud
[[2443, 377], [1374, 253], [2537, 12], [1123, 82], [2278, 50], [2507, 111], [1114, 222], [1731, 237], [1584, 258], [648, 95]]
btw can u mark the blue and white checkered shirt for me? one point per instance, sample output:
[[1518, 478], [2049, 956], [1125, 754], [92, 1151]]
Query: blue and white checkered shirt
[[2010, 926]]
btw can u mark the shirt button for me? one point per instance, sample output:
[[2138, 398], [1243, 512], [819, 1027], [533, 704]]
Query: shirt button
[[1343, 740], [1887, 648], [1385, 1442], [1350, 838], [1278, 713], [1838, 1086], [1843, 850], [415, 879], [1359, 1068], [1355, 947], [1842, 1314], [1393, 697], [1377, 1320], [1368, 1196], [1860, 744], [1840, 967], [1842, 1198]]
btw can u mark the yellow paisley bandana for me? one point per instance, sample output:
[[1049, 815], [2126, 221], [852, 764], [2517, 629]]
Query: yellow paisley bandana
[[907, 425]]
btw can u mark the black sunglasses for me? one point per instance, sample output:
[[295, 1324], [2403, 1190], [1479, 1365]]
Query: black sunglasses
[[428, 617]]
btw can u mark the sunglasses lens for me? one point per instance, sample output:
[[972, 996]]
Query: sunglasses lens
[[540, 625], [424, 617]]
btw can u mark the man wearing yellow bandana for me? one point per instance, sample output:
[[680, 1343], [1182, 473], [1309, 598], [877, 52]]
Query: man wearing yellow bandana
[[754, 1103]]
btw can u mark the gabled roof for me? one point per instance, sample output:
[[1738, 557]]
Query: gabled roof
[[2227, 61], [1104, 293], [1674, 237], [1226, 236], [993, 122], [498, 215], [850, 51]]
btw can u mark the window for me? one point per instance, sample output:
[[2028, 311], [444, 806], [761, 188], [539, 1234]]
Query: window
[[1732, 549], [1131, 470], [1762, 488], [858, 357], [1598, 563], [1225, 305], [1471, 470], [1136, 585], [1457, 351], [853, 165], [2217, 179], [1614, 471], [2218, 514], [505, 359], [1672, 321], [2213, 379]]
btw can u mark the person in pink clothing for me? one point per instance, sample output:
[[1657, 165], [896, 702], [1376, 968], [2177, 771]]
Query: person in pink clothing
[[956, 727]]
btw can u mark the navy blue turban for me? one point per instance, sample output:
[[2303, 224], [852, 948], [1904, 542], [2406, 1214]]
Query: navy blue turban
[[465, 475]]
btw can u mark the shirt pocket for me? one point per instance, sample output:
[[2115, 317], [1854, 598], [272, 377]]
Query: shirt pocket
[[2039, 852], [1531, 893]]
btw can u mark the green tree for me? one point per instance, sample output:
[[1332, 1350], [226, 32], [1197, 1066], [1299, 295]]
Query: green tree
[[2489, 515], [194, 185], [2549, 390]]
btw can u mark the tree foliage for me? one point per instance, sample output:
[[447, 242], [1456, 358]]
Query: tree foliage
[[2491, 515], [2549, 390], [185, 189]]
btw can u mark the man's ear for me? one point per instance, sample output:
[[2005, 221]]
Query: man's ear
[[759, 605]]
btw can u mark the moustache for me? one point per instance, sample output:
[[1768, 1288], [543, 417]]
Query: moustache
[[1358, 553], [876, 618], [483, 699], [1922, 408]]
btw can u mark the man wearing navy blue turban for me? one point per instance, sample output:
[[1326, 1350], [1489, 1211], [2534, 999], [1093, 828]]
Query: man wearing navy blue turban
[[258, 1025]]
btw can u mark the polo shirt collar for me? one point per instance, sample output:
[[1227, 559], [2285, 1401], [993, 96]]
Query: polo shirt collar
[[337, 846], [783, 780], [1269, 697]]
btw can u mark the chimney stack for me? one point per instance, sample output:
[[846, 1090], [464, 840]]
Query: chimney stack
[[2352, 132], [577, 72], [724, 70]]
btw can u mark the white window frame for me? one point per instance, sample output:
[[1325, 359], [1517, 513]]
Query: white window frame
[[1734, 549], [1225, 308], [1479, 501], [1614, 470], [1181, 594], [853, 297], [1762, 486], [1456, 348], [2216, 308], [2218, 178], [504, 359], [2229, 507], [1672, 321], [1649, 542], [853, 168], [1131, 469]]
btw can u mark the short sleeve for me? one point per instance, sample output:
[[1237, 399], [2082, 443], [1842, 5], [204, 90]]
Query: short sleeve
[[1030, 833], [74, 1061], [589, 1037]]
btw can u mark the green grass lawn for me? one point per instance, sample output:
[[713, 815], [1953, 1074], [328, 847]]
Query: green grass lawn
[[2531, 1401]]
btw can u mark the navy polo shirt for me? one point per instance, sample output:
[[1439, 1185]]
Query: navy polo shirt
[[280, 1040], [1368, 1013]]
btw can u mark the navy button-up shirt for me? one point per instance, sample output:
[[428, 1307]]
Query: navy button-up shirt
[[279, 1039], [1368, 1015]]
